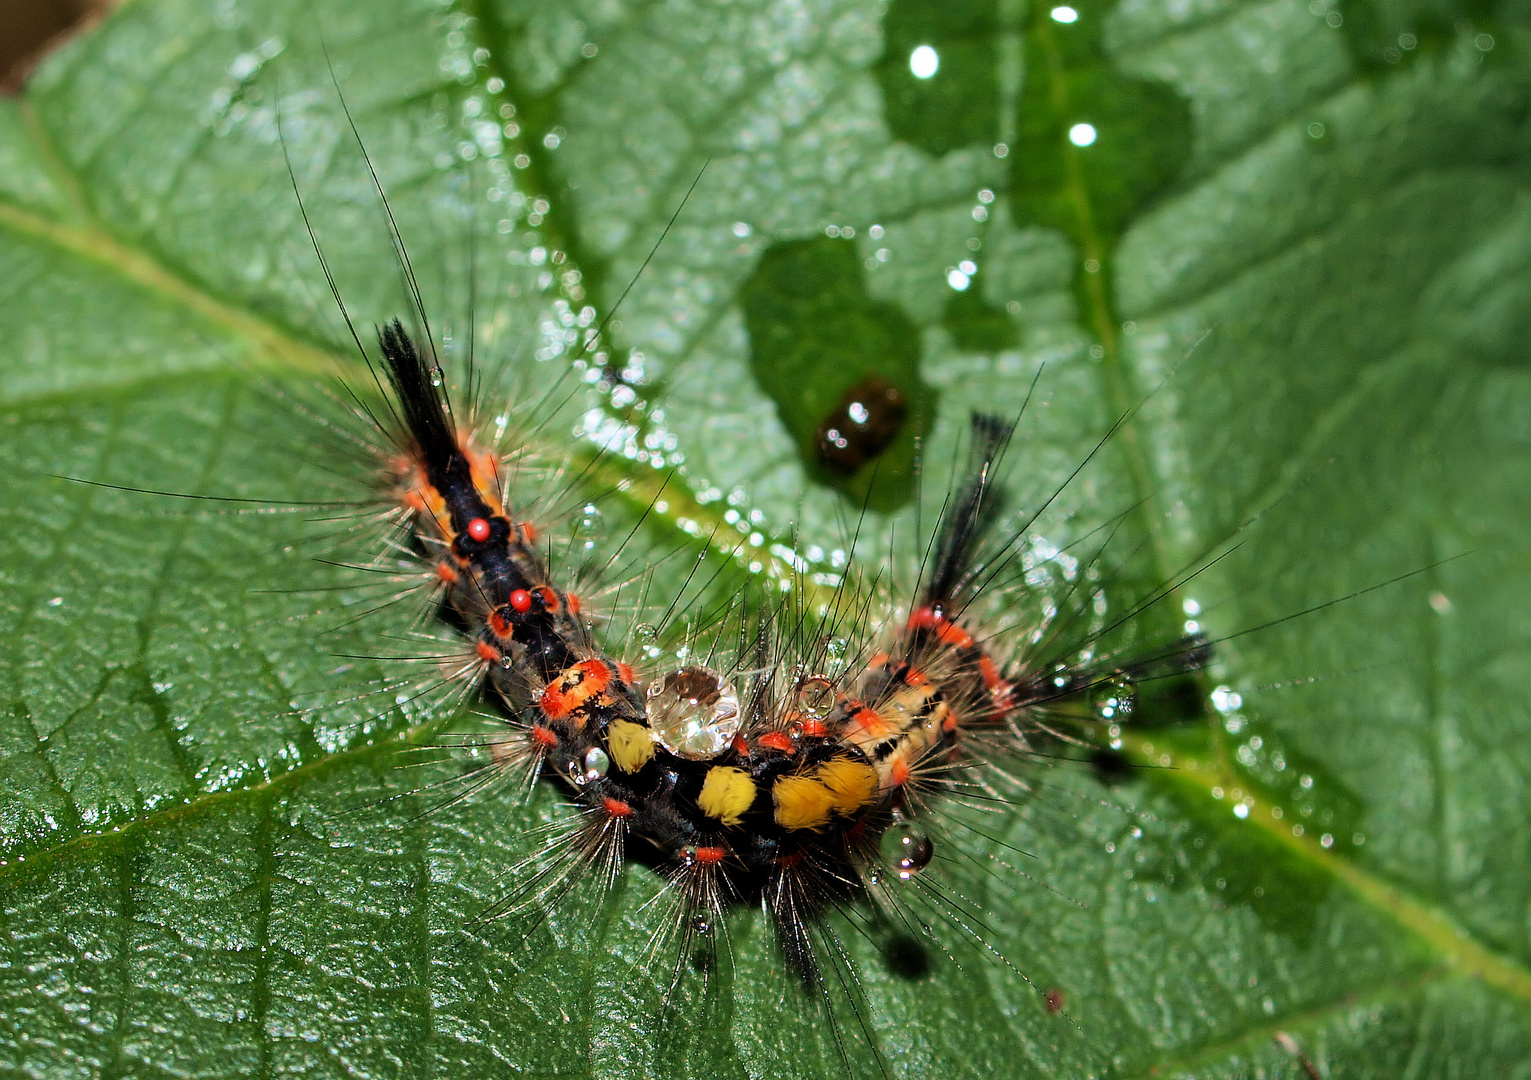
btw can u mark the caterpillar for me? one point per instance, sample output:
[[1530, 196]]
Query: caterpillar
[[763, 760]]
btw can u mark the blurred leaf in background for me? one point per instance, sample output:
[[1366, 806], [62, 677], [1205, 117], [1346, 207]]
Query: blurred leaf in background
[[1307, 224]]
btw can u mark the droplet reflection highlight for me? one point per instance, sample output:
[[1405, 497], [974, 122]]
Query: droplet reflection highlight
[[924, 62]]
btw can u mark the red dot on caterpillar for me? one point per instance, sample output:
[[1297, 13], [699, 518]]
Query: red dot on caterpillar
[[478, 529], [776, 740], [521, 600]]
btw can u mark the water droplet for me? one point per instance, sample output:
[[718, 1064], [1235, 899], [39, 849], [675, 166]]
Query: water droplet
[[816, 696], [645, 631], [924, 62], [596, 763], [1114, 698], [436, 376], [700, 924], [694, 713], [907, 849]]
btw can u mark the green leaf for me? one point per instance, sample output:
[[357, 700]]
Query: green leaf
[[1303, 266]]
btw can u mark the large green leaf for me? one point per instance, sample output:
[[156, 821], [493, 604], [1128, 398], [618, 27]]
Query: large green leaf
[[1299, 239]]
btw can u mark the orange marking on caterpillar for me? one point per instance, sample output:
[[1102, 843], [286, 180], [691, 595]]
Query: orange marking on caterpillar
[[990, 672], [574, 688], [544, 737], [499, 624], [870, 722], [915, 677], [953, 635], [776, 740], [487, 652], [548, 596], [741, 746], [878, 660], [710, 856], [447, 574], [925, 618], [616, 807], [574, 603], [898, 774], [528, 532], [415, 501], [625, 673], [814, 729]]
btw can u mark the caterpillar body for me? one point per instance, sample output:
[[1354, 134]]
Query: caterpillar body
[[760, 768]]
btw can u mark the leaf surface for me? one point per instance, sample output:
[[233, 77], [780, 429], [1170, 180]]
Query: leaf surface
[[1298, 260]]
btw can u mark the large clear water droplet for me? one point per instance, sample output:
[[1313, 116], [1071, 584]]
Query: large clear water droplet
[[816, 697], [694, 713]]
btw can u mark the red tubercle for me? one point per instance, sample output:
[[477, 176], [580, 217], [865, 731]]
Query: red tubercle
[[488, 653], [548, 596], [616, 808], [499, 624], [447, 574], [741, 746], [953, 635], [915, 677], [574, 603], [898, 773], [544, 736], [626, 674], [478, 529], [710, 855], [990, 672], [528, 532], [869, 722], [878, 660], [789, 860], [776, 740], [521, 600], [925, 618], [813, 729]]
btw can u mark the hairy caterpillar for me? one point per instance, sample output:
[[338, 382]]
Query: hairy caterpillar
[[791, 752]]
